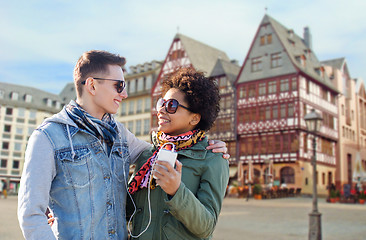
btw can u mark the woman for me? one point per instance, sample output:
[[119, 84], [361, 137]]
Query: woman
[[182, 202]]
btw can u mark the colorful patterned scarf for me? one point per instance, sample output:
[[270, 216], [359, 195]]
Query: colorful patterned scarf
[[105, 129], [182, 141]]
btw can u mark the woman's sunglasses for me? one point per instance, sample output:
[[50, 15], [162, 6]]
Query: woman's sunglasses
[[119, 86], [171, 105]]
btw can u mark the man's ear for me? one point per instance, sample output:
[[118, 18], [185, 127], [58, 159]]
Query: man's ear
[[196, 118], [89, 84]]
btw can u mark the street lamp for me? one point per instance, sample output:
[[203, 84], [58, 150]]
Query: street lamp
[[313, 121]]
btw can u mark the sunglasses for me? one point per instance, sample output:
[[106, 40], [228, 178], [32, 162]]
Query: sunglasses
[[121, 84], [171, 105]]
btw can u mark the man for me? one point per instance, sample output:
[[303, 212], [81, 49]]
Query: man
[[77, 161]]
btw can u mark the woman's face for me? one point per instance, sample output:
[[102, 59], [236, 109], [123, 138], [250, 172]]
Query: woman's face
[[179, 122]]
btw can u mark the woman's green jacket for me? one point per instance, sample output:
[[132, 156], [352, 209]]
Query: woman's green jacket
[[193, 211]]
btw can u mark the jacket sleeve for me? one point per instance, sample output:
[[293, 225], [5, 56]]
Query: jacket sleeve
[[199, 213], [33, 197], [136, 146]]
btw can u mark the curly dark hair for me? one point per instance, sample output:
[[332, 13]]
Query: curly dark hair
[[201, 94]]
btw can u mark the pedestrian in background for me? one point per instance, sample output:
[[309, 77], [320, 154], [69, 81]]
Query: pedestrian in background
[[5, 189]]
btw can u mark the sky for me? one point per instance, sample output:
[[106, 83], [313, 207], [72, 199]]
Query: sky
[[41, 40]]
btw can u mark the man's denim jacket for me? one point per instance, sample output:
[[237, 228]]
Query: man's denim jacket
[[67, 170]]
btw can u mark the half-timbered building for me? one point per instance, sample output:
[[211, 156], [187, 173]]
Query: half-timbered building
[[281, 80], [225, 125], [185, 52]]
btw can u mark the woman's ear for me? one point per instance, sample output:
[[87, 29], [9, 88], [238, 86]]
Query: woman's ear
[[89, 83], [196, 118]]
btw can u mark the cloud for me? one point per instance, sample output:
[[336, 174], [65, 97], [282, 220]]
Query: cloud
[[58, 32]]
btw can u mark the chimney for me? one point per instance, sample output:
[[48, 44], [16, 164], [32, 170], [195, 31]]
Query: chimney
[[307, 38]]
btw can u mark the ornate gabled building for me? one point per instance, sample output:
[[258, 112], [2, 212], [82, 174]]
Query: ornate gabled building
[[22, 109], [224, 128], [185, 52], [280, 81]]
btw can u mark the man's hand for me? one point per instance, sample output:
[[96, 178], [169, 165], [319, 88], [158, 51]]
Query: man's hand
[[219, 147]]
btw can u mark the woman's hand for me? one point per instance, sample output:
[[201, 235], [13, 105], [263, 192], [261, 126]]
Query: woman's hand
[[218, 147], [167, 177]]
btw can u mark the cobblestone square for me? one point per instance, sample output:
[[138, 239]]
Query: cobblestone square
[[282, 219]]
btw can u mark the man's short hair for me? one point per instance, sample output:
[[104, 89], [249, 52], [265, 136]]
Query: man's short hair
[[93, 62]]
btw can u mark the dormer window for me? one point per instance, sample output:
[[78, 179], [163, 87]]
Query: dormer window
[[2, 93], [28, 98], [301, 59], [48, 102], [14, 96]]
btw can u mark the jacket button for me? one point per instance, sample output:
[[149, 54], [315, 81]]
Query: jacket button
[[111, 231], [166, 211], [106, 177]]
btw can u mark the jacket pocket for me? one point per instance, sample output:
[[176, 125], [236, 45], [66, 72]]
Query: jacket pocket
[[121, 163], [77, 169]]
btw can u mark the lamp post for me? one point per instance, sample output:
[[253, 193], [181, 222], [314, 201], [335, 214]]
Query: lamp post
[[313, 121]]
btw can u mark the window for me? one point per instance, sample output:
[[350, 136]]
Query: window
[[14, 96], [262, 89], [222, 82], [290, 110], [294, 84], [17, 146], [262, 113], [307, 86], [272, 87], [252, 90], [283, 110], [263, 40], [15, 164], [28, 98], [123, 108], [3, 163], [147, 104], [276, 60], [7, 128], [9, 111], [49, 102], [139, 106], [146, 126], [21, 112], [287, 175], [268, 112], [243, 92], [257, 64], [275, 111], [130, 126], [140, 84], [19, 130], [148, 83], [131, 109], [32, 114], [138, 127], [5, 145], [2, 93], [269, 38], [284, 85]]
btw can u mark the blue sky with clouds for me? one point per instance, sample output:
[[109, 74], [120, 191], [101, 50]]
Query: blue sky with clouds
[[41, 40]]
